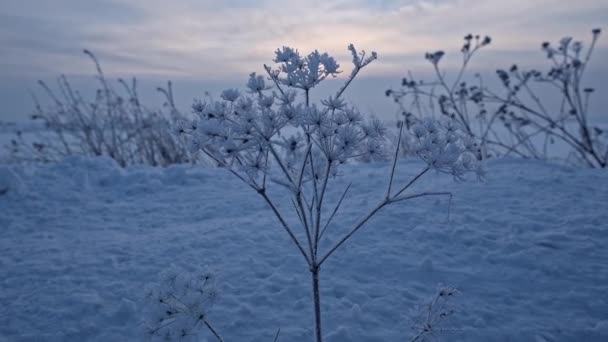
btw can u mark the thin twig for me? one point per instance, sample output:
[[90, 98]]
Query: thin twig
[[213, 331], [412, 181], [285, 226], [390, 180], [335, 210]]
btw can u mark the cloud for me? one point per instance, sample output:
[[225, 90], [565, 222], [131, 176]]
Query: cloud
[[225, 40], [215, 39]]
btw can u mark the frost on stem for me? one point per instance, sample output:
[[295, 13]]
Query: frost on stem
[[177, 307]]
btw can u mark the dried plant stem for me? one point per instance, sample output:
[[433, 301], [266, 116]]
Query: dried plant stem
[[213, 331]]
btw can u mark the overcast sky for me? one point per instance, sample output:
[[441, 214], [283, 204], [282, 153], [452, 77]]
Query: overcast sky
[[208, 45]]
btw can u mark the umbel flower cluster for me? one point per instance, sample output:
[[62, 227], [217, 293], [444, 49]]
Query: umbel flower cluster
[[247, 131], [445, 148], [177, 306]]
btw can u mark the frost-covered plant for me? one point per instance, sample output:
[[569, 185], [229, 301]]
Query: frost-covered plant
[[268, 138], [433, 315], [563, 116], [178, 306], [515, 119], [114, 124], [455, 99]]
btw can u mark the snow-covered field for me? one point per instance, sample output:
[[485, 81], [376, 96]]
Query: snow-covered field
[[80, 239]]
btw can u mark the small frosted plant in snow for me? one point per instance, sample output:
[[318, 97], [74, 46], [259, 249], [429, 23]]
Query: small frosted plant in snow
[[269, 138], [432, 317], [177, 307]]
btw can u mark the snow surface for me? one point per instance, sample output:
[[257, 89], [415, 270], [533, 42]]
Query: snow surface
[[79, 240]]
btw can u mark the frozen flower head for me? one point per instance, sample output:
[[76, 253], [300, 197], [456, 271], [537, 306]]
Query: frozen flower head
[[348, 138], [339, 119], [359, 59], [230, 95], [352, 115], [442, 146], [469, 47], [330, 66], [302, 72], [243, 105], [212, 110], [434, 57], [254, 164], [287, 97], [266, 101], [290, 113], [287, 55], [374, 129], [315, 118], [372, 151], [176, 307], [198, 107], [183, 126], [334, 103], [256, 83]]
